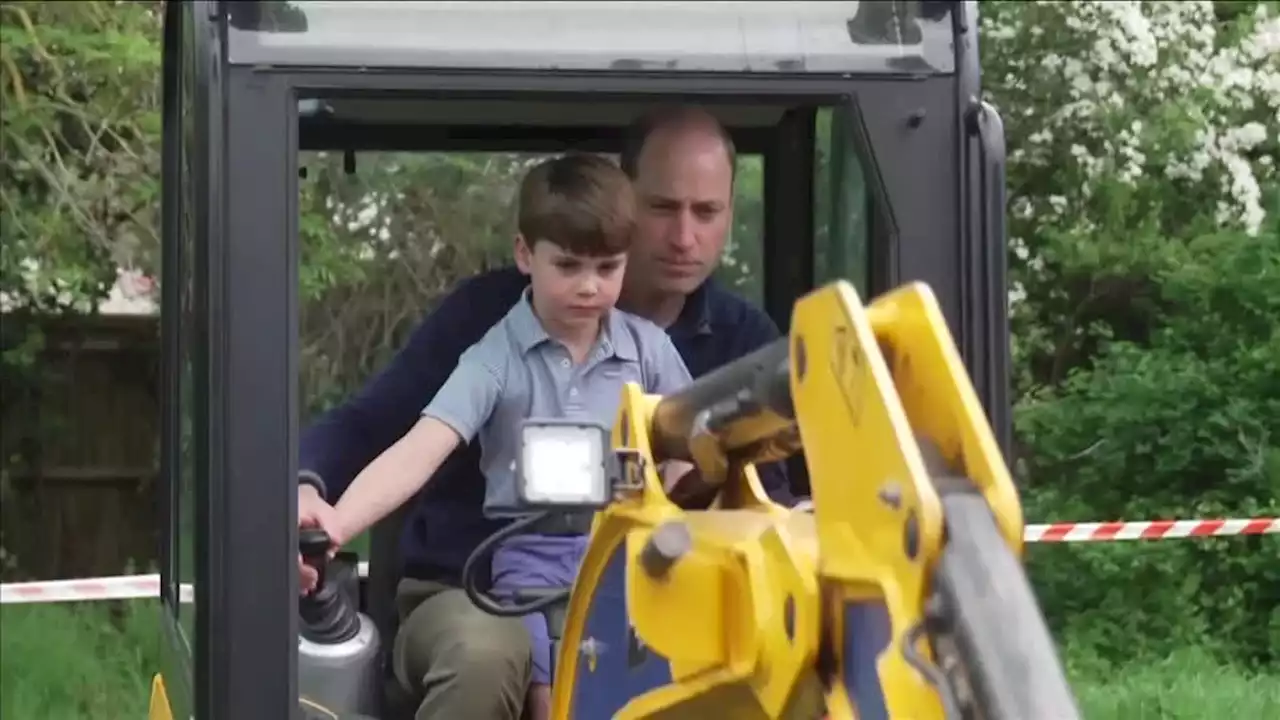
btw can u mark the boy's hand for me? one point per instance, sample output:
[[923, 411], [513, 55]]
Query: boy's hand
[[689, 491], [677, 472], [313, 511]]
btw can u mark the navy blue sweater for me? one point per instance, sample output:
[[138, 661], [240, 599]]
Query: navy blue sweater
[[445, 523]]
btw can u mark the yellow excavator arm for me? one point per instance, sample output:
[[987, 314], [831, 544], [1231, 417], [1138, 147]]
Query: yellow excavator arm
[[899, 594]]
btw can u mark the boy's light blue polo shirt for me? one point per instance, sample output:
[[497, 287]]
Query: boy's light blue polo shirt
[[517, 371]]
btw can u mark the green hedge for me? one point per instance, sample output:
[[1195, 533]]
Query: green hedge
[[1182, 424]]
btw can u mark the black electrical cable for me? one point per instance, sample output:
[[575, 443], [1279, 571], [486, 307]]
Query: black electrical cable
[[484, 551]]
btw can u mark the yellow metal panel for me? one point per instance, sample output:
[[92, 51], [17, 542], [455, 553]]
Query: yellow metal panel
[[159, 709], [878, 520], [939, 398]]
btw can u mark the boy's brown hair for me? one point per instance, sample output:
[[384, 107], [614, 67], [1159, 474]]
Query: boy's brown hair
[[581, 203]]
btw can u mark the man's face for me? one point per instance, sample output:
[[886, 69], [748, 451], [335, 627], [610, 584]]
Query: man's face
[[684, 187], [571, 292]]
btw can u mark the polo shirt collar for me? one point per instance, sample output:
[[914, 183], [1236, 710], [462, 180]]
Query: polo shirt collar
[[529, 333], [524, 325]]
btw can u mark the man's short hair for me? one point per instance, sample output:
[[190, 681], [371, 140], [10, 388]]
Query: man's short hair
[[644, 126], [580, 202]]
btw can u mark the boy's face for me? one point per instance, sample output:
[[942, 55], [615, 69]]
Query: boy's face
[[572, 291]]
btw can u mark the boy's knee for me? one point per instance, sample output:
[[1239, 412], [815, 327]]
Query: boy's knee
[[484, 675], [449, 645], [495, 655]]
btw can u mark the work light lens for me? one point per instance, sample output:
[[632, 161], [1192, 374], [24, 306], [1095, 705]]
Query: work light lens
[[563, 464]]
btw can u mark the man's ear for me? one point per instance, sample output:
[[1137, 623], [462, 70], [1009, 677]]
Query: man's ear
[[524, 254]]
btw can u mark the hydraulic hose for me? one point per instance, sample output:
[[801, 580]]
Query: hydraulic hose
[[987, 613]]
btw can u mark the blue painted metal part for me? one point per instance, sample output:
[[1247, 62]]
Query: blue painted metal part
[[623, 667], [866, 635]]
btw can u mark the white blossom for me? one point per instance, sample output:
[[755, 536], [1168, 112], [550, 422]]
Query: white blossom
[[1138, 93]]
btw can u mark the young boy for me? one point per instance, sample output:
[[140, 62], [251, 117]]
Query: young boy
[[562, 351]]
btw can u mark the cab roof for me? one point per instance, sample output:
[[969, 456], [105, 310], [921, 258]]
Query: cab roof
[[610, 35]]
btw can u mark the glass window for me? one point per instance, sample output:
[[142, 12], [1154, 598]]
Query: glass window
[[381, 241], [742, 264], [768, 37], [384, 237], [841, 204]]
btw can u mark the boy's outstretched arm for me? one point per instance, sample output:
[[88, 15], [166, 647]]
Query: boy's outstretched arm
[[393, 477], [351, 435], [454, 416]]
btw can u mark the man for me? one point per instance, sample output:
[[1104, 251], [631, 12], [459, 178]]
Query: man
[[460, 661]]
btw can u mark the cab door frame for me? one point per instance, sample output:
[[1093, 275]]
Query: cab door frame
[[985, 340], [245, 648], [176, 654], [228, 294]]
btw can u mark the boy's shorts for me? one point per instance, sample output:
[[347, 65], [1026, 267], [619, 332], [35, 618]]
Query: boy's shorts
[[537, 562]]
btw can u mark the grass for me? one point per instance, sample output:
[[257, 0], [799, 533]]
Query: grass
[[1189, 685], [61, 662]]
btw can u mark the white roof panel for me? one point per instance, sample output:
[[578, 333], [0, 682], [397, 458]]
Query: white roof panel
[[769, 37]]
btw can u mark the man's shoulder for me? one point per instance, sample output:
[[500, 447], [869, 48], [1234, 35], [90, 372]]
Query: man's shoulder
[[499, 287]]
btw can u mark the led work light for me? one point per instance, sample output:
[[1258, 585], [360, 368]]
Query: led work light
[[564, 463]]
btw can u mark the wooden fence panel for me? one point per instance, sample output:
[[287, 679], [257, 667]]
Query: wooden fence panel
[[83, 499]]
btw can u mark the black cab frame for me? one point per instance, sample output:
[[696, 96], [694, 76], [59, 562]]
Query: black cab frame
[[914, 190]]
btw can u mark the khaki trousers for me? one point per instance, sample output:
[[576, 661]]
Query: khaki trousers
[[455, 660]]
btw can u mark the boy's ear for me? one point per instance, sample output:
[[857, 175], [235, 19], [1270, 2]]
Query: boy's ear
[[524, 254]]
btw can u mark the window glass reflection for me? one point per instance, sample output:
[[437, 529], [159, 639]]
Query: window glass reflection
[[841, 203], [183, 548]]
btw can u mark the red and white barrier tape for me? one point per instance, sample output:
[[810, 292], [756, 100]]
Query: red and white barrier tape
[[123, 587], [1148, 530], [128, 587], [120, 587]]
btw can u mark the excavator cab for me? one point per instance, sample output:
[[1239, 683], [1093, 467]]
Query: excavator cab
[[878, 165]]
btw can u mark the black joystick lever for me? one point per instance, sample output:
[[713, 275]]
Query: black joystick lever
[[313, 544], [327, 617]]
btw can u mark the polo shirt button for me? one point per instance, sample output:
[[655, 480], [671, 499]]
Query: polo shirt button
[[573, 392], [564, 362]]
